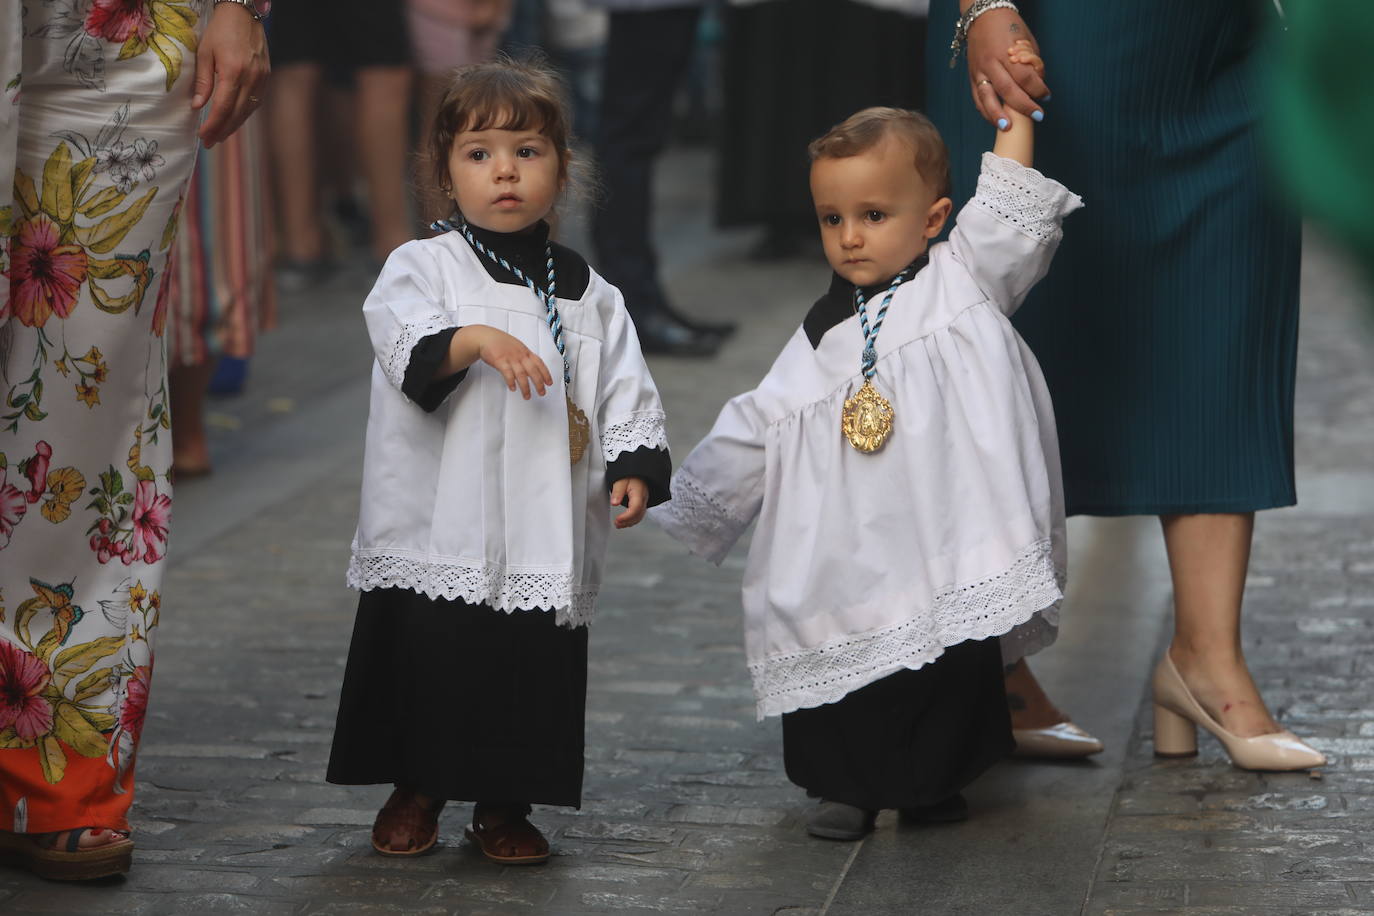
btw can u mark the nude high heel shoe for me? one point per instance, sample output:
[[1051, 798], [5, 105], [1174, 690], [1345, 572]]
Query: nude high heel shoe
[[1061, 741], [1178, 714]]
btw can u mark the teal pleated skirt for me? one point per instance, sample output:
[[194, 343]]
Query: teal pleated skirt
[[1167, 326]]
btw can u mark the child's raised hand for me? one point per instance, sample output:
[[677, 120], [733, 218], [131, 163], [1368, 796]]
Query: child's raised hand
[[1023, 52], [517, 363], [632, 493]]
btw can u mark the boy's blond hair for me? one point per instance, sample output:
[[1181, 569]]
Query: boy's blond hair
[[863, 130]]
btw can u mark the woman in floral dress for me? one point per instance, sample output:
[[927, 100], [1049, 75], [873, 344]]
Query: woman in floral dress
[[98, 126]]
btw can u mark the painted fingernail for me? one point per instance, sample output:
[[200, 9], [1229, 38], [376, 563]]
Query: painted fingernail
[[1003, 124], [1037, 116]]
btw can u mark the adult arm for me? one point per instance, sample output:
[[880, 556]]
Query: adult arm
[[231, 70]]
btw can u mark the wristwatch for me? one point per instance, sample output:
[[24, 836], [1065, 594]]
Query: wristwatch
[[258, 9]]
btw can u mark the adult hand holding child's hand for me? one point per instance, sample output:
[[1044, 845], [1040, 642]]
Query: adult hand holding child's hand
[[997, 79]]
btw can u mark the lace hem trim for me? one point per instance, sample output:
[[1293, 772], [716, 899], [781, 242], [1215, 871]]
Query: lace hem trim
[[1026, 594], [639, 430], [694, 516], [1023, 198], [411, 333], [498, 586]]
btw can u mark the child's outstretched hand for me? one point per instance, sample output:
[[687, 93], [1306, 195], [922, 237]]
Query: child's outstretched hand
[[632, 493], [517, 363]]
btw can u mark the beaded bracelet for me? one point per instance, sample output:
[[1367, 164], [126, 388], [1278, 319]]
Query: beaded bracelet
[[976, 9]]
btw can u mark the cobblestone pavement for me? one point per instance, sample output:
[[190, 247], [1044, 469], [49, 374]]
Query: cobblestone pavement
[[686, 806]]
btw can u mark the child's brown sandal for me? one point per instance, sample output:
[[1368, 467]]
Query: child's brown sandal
[[404, 820], [513, 841]]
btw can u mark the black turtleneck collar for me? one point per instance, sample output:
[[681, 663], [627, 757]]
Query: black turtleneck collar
[[838, 302], [525, 250]]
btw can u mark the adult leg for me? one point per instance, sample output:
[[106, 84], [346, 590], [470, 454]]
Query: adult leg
[[295, 88], [647, 53], [383, 133], [1209, 556], [190, 450], [82, 322], [1030, 706]]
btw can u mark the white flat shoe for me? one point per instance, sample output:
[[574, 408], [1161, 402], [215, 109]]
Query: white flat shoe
[[1061, 741], [1178, 714]]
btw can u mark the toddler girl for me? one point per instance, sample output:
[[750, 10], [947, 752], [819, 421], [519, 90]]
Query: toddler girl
[[900, 458], [509, 397]]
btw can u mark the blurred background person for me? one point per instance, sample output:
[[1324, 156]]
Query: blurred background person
[[649, 47], [793, 69], [219, 287], [445, 35], [575, 39], [369, 41]]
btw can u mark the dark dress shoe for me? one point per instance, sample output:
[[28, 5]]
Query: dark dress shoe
[[659, 334]]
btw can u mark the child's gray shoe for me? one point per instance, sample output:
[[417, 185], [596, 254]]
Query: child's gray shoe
[[834, 820]]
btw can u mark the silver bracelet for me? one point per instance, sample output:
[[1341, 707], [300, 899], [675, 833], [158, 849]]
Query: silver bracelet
[[258, 9], [976, 9]]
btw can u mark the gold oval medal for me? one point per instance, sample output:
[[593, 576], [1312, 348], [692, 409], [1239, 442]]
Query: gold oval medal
[[579, 431], [867, 419]]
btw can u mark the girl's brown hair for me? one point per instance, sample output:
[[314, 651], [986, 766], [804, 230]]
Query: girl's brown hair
[[504, 94], [862, 131]]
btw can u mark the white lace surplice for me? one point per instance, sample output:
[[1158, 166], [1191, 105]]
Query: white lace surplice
[[865, 564], [477, 500]]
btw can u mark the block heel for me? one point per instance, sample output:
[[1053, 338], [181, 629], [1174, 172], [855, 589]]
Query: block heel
[[1178, 715], [1175, 736]]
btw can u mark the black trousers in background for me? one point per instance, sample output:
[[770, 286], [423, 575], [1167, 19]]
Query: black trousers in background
[[793, 69], [646, 57], [911, 739], [462, 701]]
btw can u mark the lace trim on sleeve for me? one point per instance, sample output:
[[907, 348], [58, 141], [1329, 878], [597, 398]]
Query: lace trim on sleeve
[[695, 517], [502, 588], [396, 359], [1023, 198], [1025, 596], [639, 430]]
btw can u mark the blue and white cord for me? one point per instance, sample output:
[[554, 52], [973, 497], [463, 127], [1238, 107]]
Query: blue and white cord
[[547, 297], [869, 362]]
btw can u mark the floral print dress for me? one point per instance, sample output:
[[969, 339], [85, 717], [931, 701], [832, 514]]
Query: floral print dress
[[96, 145]]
